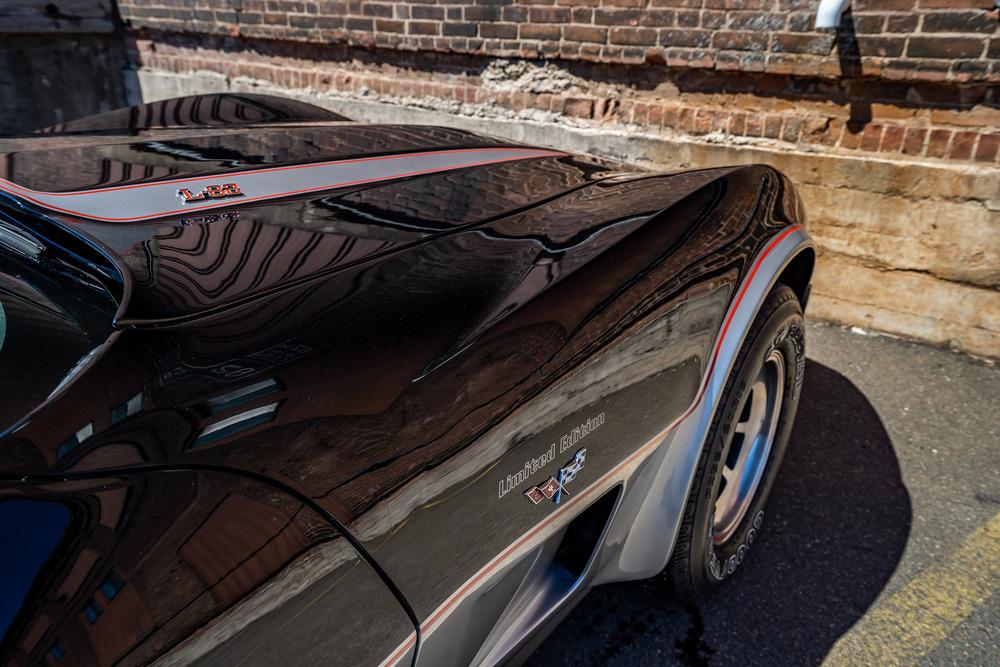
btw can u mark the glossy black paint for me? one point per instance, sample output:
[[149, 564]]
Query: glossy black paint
[[379, 357]]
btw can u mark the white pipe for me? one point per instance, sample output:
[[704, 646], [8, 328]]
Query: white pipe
[[829, 11]]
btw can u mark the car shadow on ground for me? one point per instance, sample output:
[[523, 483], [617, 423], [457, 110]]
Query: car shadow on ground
[[837, 524]]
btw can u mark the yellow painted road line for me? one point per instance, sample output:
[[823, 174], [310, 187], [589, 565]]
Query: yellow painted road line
[[911, 622]]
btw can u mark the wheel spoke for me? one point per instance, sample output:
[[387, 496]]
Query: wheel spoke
[[749, 448]]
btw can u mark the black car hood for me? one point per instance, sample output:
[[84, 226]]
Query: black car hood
[[398, 186]]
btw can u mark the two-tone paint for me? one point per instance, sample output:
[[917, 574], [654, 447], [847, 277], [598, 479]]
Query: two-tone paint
[[281, 429]]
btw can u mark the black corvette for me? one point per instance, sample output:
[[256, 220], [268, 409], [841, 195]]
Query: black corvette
[[278, 387]]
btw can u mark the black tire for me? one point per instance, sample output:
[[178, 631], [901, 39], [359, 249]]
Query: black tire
[[700, 564]]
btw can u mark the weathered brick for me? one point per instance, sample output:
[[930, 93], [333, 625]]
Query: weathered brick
[[520, 14], [791, 129], [549, 15], [427, 12], [961, 22], [658, 18], [803, 22], [579, 107], [913, 143], [359, 24], [712, 20], [390, 25], [881, 46], [676, 3], [882, 5], [739, 41], [937, 143], [689, 38], [772, 126], [498, 30], [756, 21], [633, 36], [871, 137], [583, 33], [482, 13], [962, 144], [989, 145], [901, 23], [892, 138], [816, 43], [689, 19], [944, 47], [533, 31], [755, 125], [851, 138], [459, 29], [377, 9], [869, 24], [738, 4], [617, 17]]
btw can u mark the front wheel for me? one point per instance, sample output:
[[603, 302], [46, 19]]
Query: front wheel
[[746, 442]]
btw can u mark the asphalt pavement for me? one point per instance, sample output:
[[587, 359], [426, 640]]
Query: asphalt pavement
[[883, 538]]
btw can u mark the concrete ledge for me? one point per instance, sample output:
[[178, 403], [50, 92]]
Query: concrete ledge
[[910, 248]]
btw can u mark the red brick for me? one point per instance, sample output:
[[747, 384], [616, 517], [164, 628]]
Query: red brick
[[892, 138], [756, 21], [482, 13], [376, 9], [459, 29], [428, 12], [690, 19], [549, 15], [956, 4], [658, 18], [944, 47], [655, 115], [579, 107], [937, 143], [850, 139], [739, 41], [388, 25], [816, 44], [633, 36], [913, 144], [882, 5], [901, 23], [738, 4], [791, 128], [671, 117], [712, 20], [881, 46], [532, 31], [516, 14], [498, 30], [960, 22], [581, 33], [962, 144], [989, 145], [772, 126], [702, 121], [616, 17], [871, 137], [676, 3], [692, 38]]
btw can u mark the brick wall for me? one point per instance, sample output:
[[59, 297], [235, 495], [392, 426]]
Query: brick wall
[[911, 86], [901, 40]]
